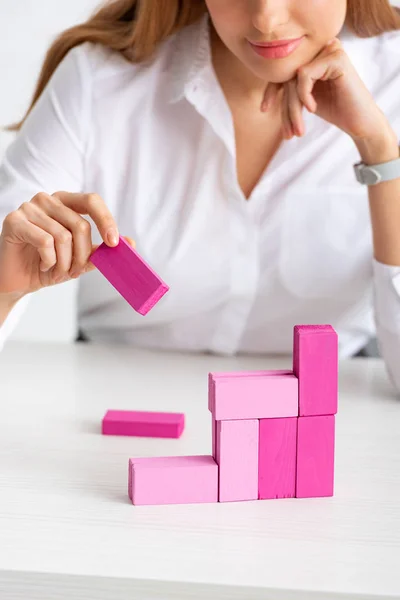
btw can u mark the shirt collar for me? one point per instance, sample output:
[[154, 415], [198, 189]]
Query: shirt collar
[[191, 55]]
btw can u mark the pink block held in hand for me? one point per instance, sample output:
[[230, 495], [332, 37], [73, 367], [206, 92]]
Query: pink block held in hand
[[143, 424], [131, 276]]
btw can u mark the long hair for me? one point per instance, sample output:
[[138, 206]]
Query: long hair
[[135, 28]]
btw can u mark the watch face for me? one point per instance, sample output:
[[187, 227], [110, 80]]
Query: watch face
[[371, 177]]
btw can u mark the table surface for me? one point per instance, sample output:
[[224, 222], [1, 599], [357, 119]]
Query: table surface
[[68, 530]]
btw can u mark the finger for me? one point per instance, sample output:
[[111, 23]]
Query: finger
[[94, 206], [77, 225], [270, 96], [295, 108], [286, 125], [329, 66], [90, 266], [17, 225], [61, 235], [305, 85], [130, 241]]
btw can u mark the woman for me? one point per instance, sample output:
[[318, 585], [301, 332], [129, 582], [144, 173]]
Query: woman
[[230, 163]]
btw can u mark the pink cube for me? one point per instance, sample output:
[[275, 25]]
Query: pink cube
[[260, 396], [277, 458], [131, 276], [315, 363], [315, 456], [143, 424], [237, 458], [173, 480]]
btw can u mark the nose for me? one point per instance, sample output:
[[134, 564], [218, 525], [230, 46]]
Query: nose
[[269, 15]]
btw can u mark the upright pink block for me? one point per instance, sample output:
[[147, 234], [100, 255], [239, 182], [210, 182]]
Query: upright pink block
[[131, 276], [143, 424], [237, 458], [277, 458], [315, 363], [173, 480], [214, 436], [315, 456], [273, 394]]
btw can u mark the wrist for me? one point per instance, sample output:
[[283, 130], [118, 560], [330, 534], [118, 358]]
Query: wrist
[[7, 303], [9, 300], [378, 149]]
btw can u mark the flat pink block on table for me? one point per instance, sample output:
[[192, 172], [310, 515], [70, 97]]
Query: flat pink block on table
[[143, 424], [237, 457], [253, 396], [131, 276], [315, 456], [173, 480], [277, 458], [315, 363]]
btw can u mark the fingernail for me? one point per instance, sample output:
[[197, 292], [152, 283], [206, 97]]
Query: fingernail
[[112, 236]]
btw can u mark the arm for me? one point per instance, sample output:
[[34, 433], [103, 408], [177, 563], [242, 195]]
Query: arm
[[384, 203], [47, 154]]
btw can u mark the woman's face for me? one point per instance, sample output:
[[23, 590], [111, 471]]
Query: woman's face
[[238, 22]]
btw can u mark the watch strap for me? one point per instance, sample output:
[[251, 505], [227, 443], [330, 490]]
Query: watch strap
[[373, 174]]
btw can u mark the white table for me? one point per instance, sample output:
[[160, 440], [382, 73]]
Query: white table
[[68, 531]]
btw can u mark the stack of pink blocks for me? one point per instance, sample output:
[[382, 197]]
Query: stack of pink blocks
[[273, 434]]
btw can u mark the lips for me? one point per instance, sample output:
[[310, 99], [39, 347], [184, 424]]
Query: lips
[[275, 49], [275, 44]]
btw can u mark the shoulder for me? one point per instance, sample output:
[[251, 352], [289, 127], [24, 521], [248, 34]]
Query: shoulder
[[387, 52], [376, 58], [103, 66]]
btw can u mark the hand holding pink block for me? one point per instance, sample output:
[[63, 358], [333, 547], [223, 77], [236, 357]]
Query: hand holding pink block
[[131, 276], [143, 424]]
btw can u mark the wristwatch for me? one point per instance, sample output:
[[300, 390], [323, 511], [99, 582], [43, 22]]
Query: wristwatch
[[373, 174]]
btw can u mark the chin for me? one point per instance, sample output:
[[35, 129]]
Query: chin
[[278, 74]]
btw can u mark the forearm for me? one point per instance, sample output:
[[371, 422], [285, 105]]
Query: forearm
[[384, 199]]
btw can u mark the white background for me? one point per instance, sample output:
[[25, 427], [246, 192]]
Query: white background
[[27, 27]]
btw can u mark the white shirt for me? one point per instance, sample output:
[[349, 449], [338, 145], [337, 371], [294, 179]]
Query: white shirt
[[156, 141]]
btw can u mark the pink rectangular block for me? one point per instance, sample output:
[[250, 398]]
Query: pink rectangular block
[[254, 396], [315, 363], [237, 458], [214, 436], [213, 376], [131, 276], [143, 424], [315, 456], [173, 480], [277, 458]]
